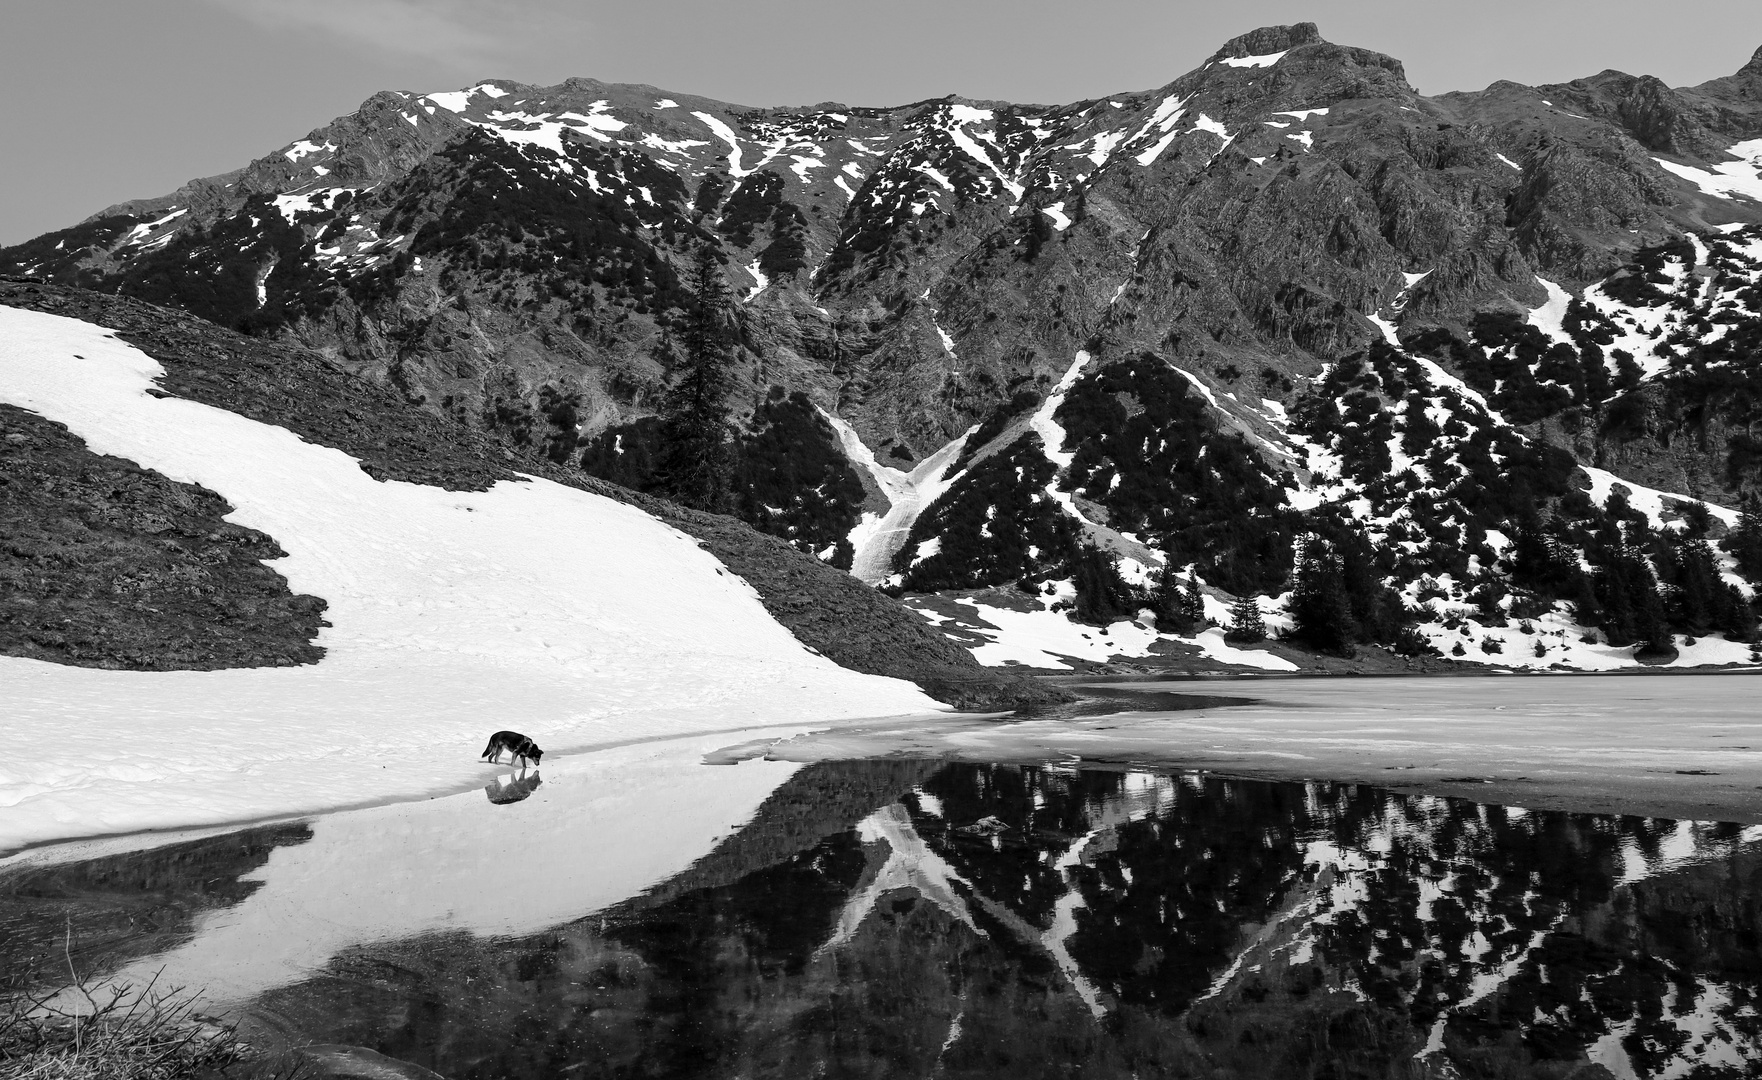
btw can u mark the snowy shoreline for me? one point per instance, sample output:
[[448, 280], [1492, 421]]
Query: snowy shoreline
[[573, 618], [1568, 748], [1001, 739], [558, 763]]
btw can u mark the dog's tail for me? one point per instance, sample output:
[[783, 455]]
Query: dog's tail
[[490, 748]]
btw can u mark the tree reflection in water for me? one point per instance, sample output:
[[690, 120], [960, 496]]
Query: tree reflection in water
[[887, 919]]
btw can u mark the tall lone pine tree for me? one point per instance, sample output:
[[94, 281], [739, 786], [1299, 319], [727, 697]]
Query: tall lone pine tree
[[697, 460]]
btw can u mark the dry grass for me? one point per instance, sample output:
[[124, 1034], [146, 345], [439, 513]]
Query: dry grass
[[85, 1029]]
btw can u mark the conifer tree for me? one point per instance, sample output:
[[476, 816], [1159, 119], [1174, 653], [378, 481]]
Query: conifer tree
[[1745, 542], [1166, 599], [1736, 617], [1179, 606], [1192, 600], [1699, 593], [1321, 614], [1246, 625], [1697, 518], [1102, 595], [1633, 611], [697, 459]]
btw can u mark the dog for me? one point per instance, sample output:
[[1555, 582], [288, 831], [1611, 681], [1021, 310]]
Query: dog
[[519, 747]]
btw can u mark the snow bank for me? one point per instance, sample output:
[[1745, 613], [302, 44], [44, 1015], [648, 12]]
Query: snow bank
[[1742, 177], [1650, 501], [1213, 644], [533, 606], [1265, 60]]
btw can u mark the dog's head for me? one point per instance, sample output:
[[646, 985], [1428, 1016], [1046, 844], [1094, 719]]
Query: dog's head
[[535, 754]]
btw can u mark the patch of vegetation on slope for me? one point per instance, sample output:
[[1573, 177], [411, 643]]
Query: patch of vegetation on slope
[[499, 209], [790, 478], [1150, 452], [66, 253], [995, 525]]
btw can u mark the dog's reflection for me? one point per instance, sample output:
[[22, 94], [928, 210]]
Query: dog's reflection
[[512, 787]]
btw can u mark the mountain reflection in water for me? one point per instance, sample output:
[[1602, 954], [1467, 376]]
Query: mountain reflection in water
[[884, 919]]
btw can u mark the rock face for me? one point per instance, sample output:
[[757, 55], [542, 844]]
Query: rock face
[[504, 257], [109, 565]]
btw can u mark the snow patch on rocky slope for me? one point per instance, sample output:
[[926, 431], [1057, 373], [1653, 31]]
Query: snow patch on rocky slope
[[575, 619]]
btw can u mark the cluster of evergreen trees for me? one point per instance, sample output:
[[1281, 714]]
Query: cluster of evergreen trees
[[1637, 584]]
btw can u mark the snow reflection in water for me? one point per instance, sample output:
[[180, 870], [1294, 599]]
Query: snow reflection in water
[[909, 918]]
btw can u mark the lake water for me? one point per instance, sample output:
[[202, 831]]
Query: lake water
[[901, 917]]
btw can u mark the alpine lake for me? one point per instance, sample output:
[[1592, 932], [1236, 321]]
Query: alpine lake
[[926, 912]]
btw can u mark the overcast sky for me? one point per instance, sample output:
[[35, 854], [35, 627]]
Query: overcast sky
[[107, 100]]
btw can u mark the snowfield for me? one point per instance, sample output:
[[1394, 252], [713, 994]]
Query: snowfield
[[570, 617]]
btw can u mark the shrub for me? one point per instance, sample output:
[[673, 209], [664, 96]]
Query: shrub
[[1409, 641], [84, 1030]]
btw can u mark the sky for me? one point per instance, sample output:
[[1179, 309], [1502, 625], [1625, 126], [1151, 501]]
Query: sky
[[107, 100]]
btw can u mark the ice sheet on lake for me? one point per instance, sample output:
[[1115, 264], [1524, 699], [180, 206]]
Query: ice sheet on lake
[[1575, 741]]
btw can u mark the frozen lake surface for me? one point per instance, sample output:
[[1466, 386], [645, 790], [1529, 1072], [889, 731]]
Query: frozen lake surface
[[641, 912], [1687, 746]]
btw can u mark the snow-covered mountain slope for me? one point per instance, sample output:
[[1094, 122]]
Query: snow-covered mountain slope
[[1464, 510], [578, 620], [1156, 307]]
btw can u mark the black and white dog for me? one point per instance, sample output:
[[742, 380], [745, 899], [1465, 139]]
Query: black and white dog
[[518, 747]]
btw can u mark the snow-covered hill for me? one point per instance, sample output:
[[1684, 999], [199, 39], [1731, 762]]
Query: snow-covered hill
[[575, 619]]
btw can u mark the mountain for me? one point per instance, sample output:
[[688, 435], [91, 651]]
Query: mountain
[[1283, 325]]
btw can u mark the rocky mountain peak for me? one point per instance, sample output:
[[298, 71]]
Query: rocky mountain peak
[[1270, 39]]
